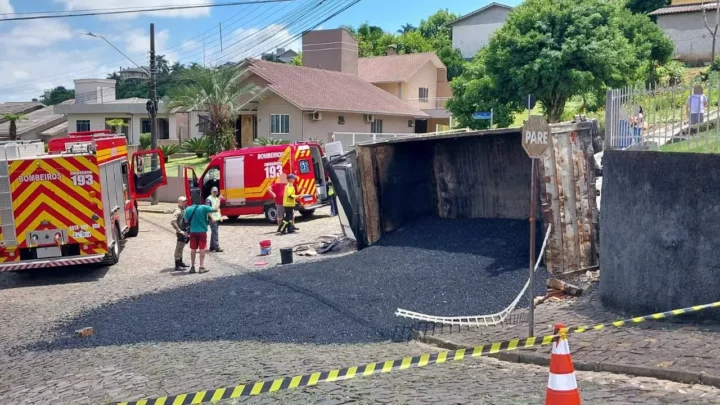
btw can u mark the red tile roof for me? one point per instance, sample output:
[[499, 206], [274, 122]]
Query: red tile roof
[[394, 68], [326, 90], [684, 8]]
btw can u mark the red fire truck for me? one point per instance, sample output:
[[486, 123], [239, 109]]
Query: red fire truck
[[74, 203], [245, 175]]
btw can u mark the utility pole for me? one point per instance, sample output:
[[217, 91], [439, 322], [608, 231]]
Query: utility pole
[[152, 108]]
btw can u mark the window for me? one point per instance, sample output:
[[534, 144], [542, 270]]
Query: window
[[376, 126], [83, 125], [423, 96], [145, 126], [341, 120], [279, 123]]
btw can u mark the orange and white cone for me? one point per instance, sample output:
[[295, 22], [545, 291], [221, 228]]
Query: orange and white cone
[[562, 387]]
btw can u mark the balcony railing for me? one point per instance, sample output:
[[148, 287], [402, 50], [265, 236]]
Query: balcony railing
[[429, 103]]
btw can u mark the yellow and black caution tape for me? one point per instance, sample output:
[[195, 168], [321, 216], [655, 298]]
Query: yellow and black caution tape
[[308, 380]]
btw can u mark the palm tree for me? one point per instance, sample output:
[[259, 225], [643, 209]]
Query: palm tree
[[218, 92], [404, 29], [13, 118], [163, 67]]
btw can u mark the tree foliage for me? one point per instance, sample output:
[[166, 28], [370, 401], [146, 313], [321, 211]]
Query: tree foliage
[[297, 59], [646, 6], [57, 96], [219, 91], [558, 49]]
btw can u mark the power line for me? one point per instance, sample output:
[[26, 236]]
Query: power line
[[91, 9], [142, 10]]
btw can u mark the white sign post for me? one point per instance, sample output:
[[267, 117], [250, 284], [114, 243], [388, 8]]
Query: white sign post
[[536, 139]]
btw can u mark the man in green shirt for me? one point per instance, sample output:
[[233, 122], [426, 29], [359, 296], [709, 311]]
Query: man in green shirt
[[198, 216]]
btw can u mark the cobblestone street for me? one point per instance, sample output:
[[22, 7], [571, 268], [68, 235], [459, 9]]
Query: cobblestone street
[[34, 305]]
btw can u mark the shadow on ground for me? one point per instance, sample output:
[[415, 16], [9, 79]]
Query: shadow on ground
[[443, 267]]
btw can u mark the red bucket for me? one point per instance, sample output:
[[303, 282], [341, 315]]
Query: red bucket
[[265, 248]]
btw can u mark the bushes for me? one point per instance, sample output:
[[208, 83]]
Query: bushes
[[270, 141], [198, 146], [169, 150], [145, 141], [671, 73]]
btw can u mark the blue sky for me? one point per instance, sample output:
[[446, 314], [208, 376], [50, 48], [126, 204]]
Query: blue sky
[[41, 54]]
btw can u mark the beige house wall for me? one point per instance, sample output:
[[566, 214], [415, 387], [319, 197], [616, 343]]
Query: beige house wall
[[353, 123], [396, 89], [425, 77], [273, 104]]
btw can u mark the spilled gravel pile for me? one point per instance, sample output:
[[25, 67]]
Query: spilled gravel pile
[[436, 266]]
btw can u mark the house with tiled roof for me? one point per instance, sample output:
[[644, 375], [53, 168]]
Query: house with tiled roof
[[472, 31], [420, 79], [325, 95], [683, 22], [21, 107], [35, 124]]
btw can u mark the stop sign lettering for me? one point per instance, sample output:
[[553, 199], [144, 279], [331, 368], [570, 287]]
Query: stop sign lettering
[[536, 136]]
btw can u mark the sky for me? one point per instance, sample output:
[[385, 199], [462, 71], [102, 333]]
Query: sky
[[40, 54]]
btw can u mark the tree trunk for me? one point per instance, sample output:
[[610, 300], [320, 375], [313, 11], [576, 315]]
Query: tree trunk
[[712, 57], [13, 130]]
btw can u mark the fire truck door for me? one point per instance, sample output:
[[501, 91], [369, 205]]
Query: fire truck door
[[193, 190], [234, 172], [148, 170]]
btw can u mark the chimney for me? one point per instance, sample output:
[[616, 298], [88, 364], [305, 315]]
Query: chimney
[[333, 49], [391, 49]]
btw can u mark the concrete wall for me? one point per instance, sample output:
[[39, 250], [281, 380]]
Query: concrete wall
[[659, 241], [332, 49], [687, 31], [473, 33]]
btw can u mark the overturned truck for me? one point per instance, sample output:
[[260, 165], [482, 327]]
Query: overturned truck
[[482, 174]]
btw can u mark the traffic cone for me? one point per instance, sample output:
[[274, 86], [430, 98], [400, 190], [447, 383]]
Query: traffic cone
[[562, 387]]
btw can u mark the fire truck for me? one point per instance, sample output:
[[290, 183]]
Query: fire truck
[[244, 177], [74, 203]]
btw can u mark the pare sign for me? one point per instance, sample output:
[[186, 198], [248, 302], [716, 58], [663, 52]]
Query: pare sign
[[536, 136]]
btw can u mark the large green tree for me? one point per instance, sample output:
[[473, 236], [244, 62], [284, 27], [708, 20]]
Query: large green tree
[[652, 48], [57, 96], [646, 6], [557, 49], [217, 91]]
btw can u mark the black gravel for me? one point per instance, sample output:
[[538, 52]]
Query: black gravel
[[435, 266]]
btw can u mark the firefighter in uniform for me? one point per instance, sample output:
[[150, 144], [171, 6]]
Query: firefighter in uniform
[[289, 200], [178, 224], [333, 199]]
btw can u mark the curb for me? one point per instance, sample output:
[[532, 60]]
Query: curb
[[154, 210], [679, 376]]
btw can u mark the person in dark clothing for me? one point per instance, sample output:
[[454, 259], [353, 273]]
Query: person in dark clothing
[[333, 199]]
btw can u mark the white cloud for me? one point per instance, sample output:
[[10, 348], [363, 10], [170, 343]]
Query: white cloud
[[6, 7], [253, 42], [184, 13], [138, 41], [37, 33]]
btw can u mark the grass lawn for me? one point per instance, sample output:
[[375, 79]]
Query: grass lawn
[[196, 163], [704, 142]]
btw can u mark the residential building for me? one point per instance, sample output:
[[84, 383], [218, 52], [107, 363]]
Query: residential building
[[18, 108], [683, 22], [280, 55], [420, 79], [472, 32], [301, 102], [37, 124], [135, 73], [95, 104]]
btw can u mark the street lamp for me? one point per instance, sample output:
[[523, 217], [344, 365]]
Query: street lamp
[[90, 34]]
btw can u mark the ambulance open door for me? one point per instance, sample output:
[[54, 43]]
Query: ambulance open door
[[193, 190], [148, 173]]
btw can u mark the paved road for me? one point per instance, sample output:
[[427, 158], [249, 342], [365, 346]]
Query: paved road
[[33, 307]]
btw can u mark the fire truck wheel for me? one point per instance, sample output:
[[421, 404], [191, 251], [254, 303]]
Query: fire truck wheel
[[134, 230], [307, 213], [114, 254], [271, 213]]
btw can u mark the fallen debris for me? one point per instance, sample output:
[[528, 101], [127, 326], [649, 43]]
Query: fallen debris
[[85, 332], [325, 244], [564, 287]]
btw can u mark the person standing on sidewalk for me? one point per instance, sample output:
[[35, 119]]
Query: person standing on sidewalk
[[213, 201], [198, 216], [178, 224], [289, 201], [333, 199]]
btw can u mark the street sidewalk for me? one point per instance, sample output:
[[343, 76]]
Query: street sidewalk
[[674, 350], [161, 208]]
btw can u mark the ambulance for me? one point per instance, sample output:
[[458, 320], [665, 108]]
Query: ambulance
[[244, 177], [74, 203]]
